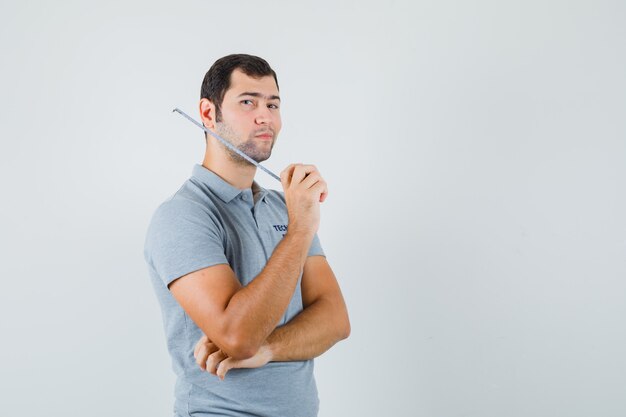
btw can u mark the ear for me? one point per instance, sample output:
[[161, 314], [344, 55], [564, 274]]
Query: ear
[[207, 113]]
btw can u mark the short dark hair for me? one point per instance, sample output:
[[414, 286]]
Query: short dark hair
[[217, 79]]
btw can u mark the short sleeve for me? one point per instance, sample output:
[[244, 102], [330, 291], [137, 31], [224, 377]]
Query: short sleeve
[[183, 237]]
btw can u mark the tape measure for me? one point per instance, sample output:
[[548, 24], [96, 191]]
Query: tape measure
[[227, 144]]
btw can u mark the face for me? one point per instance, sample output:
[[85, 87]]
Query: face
[[250, 116]]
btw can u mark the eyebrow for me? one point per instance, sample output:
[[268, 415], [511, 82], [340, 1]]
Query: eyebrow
[[248, 93]]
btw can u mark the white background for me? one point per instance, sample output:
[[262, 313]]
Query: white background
[[475, 153]]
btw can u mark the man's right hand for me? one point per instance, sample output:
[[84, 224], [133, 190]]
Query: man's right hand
[[304, 190]]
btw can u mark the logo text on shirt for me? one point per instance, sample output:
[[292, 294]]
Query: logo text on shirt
[[280, 228]]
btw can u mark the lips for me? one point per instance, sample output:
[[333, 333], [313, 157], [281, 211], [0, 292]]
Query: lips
[[265, 136]]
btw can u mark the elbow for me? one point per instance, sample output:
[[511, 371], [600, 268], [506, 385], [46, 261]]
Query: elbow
[[236, 341], [239, 347], [345, 329]]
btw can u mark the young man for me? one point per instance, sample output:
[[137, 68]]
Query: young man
[[247, 296]]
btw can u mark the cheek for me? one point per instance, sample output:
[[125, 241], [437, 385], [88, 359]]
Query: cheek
[[278, 123]]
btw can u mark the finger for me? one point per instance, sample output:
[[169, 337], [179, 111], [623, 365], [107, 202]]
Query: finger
[[285, 176], [320, 187], [225, 366], [196, 348], [202, 341], [214, 361], [202, 355], [324, 195], [287, 170], [311, 179], [300, 172]]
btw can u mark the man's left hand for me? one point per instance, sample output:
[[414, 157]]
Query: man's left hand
[[211, 359]]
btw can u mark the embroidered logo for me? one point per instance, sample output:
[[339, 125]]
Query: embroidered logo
[[280, 228]]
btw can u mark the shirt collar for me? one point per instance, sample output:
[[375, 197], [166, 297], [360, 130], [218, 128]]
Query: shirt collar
[[262, 192], [225, 191]]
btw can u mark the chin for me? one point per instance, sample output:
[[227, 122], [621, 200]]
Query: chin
[[261, 158]]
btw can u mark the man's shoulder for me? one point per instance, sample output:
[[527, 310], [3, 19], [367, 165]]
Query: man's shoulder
[[185, 205], [187, 200], [182, 216]]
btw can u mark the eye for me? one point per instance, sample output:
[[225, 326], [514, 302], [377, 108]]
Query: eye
[[273, 106], [247, 102]]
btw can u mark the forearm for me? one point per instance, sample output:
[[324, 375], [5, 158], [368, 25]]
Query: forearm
[[312, 332], [255, 309]]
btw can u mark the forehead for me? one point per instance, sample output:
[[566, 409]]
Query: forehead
[[240, 83]]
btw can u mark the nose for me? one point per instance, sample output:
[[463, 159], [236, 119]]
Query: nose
[[263, 116]]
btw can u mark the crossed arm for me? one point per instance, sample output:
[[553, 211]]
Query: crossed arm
[[322, 323], [239, 323]]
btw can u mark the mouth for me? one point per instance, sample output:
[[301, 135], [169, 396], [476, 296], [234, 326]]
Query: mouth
[[265, 136]]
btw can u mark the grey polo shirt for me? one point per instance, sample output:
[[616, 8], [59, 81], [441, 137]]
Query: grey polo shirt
[[209, 222]]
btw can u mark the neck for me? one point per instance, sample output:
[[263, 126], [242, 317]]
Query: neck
[[236, 174]]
